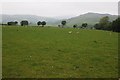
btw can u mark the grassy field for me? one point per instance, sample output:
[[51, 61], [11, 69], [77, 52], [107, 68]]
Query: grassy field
[[31, 52]]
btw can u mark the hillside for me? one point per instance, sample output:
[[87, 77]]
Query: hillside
[[90, 18]]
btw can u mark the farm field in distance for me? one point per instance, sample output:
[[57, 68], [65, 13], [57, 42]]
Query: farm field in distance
[[49, 52]]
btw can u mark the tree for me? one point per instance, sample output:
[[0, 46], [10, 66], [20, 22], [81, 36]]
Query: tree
[[116, 25], [105, 23], [74, 26], [108, 26], [63, 23], [84, 25], [58, 25], [39, 23], [43, 23], [97, 26], [12, 23], [104, 20], [16, 22], [24, 22]]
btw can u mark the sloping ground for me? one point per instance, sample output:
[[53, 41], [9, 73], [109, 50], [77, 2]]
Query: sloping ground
[[30, 52], [90, 18]]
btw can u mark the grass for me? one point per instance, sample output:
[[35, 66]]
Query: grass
[[31, 52], [0, 52]]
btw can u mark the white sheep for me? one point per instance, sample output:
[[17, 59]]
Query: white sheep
[[77, 32], [70, 32]]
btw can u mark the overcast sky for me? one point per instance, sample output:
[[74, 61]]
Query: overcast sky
[[55, 8]]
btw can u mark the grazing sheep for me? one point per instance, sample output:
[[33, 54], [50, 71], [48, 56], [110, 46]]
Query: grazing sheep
[[77, 32], [70, 32]]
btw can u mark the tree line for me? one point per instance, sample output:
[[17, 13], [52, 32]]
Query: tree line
[[26, 23], [103, 24], [106, 24], [63, 23]]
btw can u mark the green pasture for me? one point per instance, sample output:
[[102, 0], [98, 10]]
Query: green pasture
[[49, 52]]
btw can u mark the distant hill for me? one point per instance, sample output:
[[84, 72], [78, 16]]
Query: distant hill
[[33, 19], [90, 18]]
